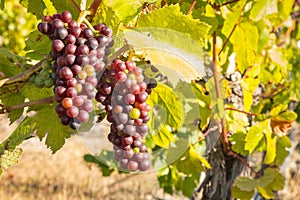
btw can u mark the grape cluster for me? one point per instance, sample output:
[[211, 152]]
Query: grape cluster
[[123, 91], [79, 54]]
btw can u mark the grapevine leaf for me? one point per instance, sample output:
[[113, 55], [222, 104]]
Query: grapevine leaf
[[164, 96], [192, 162], [271, 148], [248, 100], [10, 157], [245, 35], [246, 184], [237, 141], [56, 132], [7, 62], [268, 177], [181, 145], [37, 45], [22, 132], [163, 137], [281, 149], [105, 161], [278, 182], [189, 183], [106, 14], [253, 137], [12, 99], [278, 109], [35, 7], [263, 8], [241, 194], [62, 5], [164, 18], [266, 192], [126, 10]]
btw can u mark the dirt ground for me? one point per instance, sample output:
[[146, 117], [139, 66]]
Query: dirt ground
[[65, 175]]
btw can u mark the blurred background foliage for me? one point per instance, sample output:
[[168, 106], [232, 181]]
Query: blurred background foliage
[[15, 26]]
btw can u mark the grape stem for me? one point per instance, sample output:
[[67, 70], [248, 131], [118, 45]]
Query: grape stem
[[122, 50], [241, 111], [82, 16], [214, 128], [227, 39], [83, 5], [8, 109], [191, 7], [93, 8], [22, 76], [90, 25]]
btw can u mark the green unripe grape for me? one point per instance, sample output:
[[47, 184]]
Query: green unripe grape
[[32, 79], [132, 76], [44, 74], [82, 75], [48, 83], [136, 150], [89, 69], [46, 64], [39, 82], [78, 87], [134, 113]]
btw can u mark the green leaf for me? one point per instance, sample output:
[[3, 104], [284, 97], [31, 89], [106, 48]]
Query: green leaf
[[263, 8], [2, 5], [271, 148], [267, 178], [192, 162], [248, 100], [35, 7], [281, 149], [245, 35], [237, 141], [241, 194], [287, 116], [278, 182], [266, 192], [106, 14], [163, 137], [7, 62], [278, 109], [246, 184], [62, 5], [12, 99], [164, 97], [164, 18], [22, 132], [189, 184], [10, 157], [56, 132], [253, 137], [37, 45]]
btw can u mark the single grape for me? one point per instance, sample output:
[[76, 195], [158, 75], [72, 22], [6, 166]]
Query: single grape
[[134, 113]]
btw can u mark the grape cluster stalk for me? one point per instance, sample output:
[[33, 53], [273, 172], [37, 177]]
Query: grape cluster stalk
[[123, 91], [79, 54]]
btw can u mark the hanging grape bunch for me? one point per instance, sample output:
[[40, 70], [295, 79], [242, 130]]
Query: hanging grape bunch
[[123, 91], [79, 54]]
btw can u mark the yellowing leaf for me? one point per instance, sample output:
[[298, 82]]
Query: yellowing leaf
[[262, 8], [165, 18]]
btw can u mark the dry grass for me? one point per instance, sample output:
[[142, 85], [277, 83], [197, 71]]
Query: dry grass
[[65, 175]]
